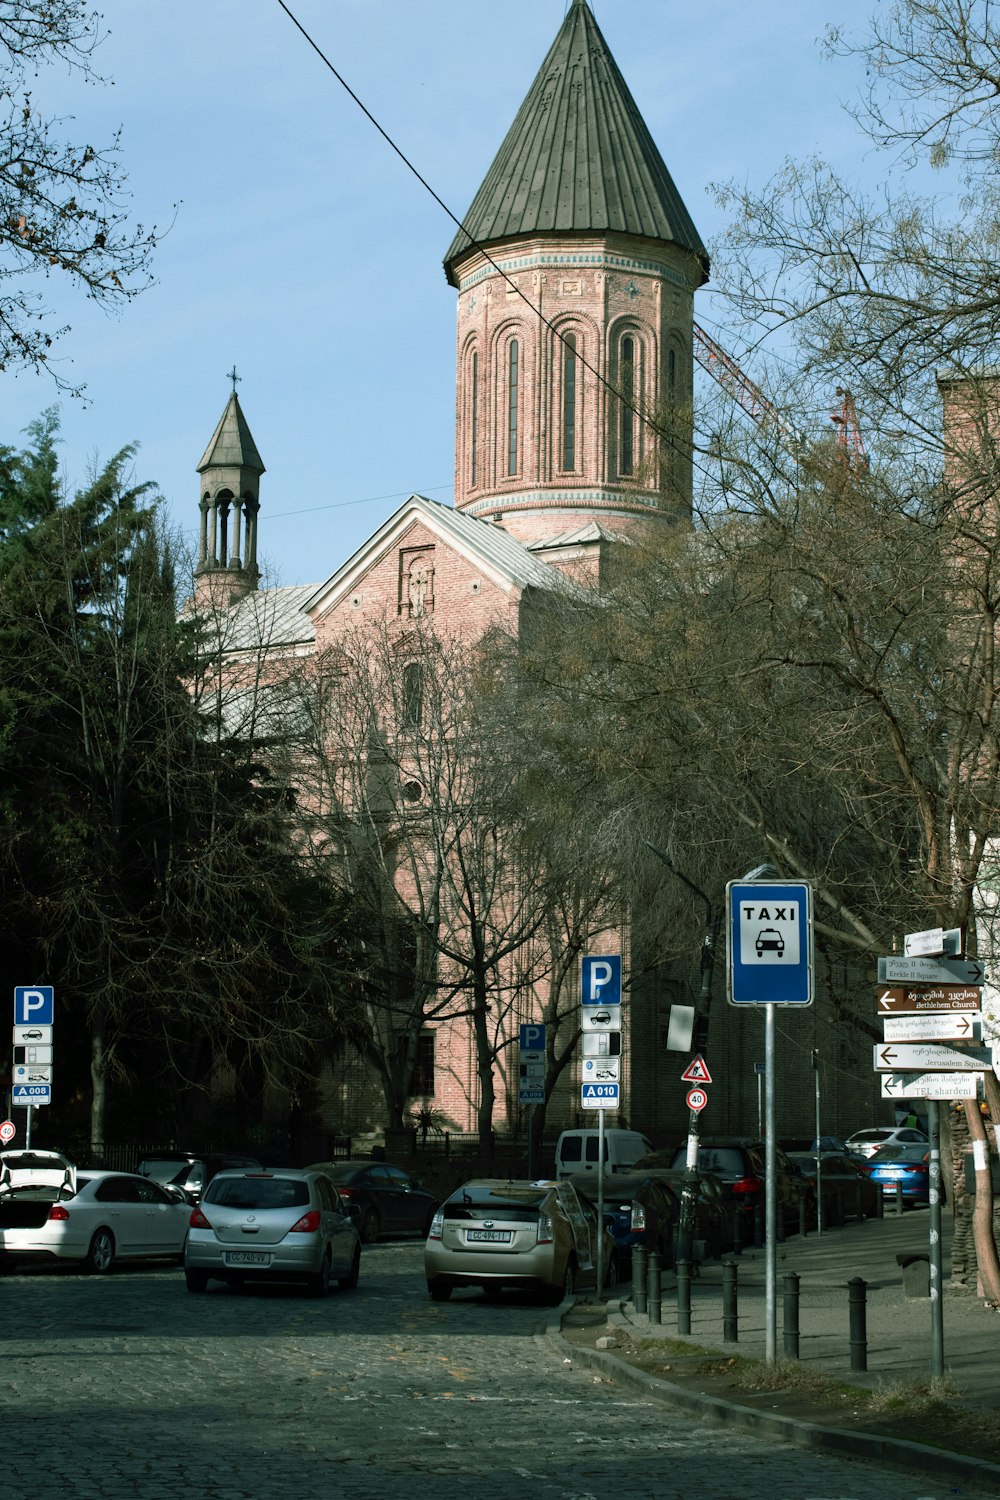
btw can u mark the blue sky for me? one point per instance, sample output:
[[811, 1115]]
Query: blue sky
[[305, 252]]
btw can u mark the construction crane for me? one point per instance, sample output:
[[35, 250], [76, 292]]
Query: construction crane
[[850, 442], [724, 369]]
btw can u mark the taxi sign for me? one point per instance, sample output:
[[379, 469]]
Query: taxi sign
[[770, 942]]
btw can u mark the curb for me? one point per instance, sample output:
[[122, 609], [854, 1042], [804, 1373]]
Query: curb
[[791, 1430]]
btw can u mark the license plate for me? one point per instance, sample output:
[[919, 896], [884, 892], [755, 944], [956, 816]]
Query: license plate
[[489, 1236], [247, 1258]]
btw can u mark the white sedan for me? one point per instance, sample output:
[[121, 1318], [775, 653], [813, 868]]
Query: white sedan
[[103, 1217]]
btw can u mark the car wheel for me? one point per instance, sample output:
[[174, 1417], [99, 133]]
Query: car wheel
[[371, 1226], [196, 1281], [611, 1275], [319, 1285], [567, 1286], [100, 1252], [349, 1282], [440, 1290]]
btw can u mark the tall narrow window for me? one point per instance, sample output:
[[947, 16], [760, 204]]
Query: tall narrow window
[[475, 418], [671, 370], [512, 373], [569, 402], [413, 695], [626, 385]]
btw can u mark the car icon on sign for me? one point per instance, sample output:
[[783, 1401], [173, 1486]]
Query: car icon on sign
[[769, 940], [605, 1073], [37, 1078], [31, 1036], [601, 1018]]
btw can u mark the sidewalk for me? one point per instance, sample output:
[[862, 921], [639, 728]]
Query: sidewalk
[[898, 1327], [947, 1439]]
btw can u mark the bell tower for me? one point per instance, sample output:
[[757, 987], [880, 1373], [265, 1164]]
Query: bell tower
[[230, 470], [576, 271]]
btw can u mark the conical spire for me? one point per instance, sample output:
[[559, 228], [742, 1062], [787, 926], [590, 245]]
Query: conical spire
[[231, 445], [578, 158]]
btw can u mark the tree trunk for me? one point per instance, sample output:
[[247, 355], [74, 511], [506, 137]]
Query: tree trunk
[[982, 1219]]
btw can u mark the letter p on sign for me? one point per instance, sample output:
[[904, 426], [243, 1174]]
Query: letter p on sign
[[602, 979], [34, 1005]]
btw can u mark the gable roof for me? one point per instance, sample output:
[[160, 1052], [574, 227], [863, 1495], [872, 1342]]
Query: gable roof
[[266, 619], [487, 545], [578, 158]]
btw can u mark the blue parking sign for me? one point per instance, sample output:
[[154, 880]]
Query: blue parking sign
[[533, 1037], [601, 976], [34, 1005]]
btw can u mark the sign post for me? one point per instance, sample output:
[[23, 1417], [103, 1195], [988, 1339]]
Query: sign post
[[769, 922], [531, 1073], [34, 1016], [600, 1020]]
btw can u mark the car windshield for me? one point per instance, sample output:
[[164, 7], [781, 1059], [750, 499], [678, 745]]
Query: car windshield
[[343, 1171], [165, 1169], [497, 1201], [713, 1159], [871, 1135], [258, 1192]]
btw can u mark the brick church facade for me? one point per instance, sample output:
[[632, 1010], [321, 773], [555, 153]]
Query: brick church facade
[[575, 273]]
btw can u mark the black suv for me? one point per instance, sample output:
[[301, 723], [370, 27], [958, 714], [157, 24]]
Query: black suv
[[192, 1171]]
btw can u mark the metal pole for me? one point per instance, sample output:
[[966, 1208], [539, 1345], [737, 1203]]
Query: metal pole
[[770, 1195], [600, 1204], [760, 1106], [639, 1278], [531, 1119], [936, 1268], [654, 1282], [683, 1269], [27, 1128], [791, 1320], [689, 1192], [730, 1315], [857, 1289], [819, 1150]]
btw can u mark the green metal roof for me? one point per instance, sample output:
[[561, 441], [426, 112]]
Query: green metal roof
[[578, 158], [231, 445]]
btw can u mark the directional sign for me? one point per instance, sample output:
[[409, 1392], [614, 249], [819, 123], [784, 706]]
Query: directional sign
[[914, 999], [897, 1057], [696, 1071], [934, 1028], [696, 1099], [601, 977], [930, 1085], [602, 1069], [599, 1095], [30, 1095], [770, 942], [601, 1044], [896, 970], [607, 1019], [934, 940], [33, 1006]]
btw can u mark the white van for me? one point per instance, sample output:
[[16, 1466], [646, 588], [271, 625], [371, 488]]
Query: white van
[[576, 1151]]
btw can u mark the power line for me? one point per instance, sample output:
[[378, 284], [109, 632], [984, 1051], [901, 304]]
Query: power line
[[474, 244]]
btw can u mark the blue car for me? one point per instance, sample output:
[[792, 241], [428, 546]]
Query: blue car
[[906, 1166]]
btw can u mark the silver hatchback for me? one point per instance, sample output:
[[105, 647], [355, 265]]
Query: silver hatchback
[[272, 1225]]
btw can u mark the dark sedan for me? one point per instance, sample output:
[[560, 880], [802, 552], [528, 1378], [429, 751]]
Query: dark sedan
[[905, 1168], [848, 1191], [640, 1210], [391, 1202]]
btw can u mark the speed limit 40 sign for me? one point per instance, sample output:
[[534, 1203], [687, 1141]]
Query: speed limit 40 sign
[[696, 1099]]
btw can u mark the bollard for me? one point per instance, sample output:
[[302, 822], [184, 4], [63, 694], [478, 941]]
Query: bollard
[[857, 1289], [899, 1198], [653, 1283], [791, 1320], [683, 1269], [879, 1202], [639, 1278], [730, 1322]]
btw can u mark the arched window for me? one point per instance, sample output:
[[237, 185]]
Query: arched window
[[672, 371], [626, 406], [569, 403], [512, 377], [474, 422], [413, 695]]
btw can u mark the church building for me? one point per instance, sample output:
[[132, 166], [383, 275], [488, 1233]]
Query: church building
[[574, 273]]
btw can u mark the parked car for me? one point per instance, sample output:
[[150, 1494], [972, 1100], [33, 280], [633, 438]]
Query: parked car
[[576, 1151], [738, 1162], [642, 1210], [905, 1165], [846, 1187], [97, 1218], [867, 1142], [275, 1224], [495, 1233], [796, 1145], [713, 1230], [390, 1200], [192, 1171]]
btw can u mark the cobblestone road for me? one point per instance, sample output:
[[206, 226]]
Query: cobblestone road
[[127, 1387]]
